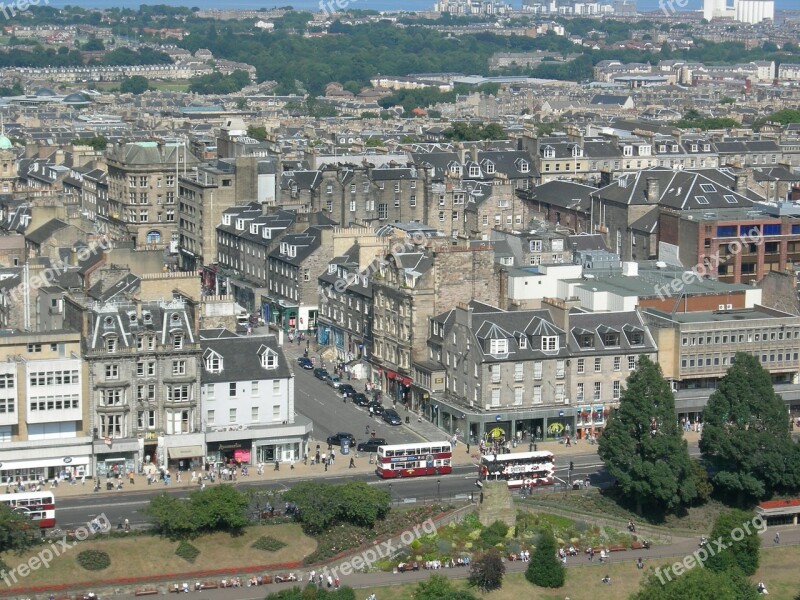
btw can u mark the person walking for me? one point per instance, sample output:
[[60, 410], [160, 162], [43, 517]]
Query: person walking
[[352, 463], [127, 525], [777, 537]]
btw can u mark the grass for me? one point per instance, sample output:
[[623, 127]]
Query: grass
[[778, 572], [592, 503], [141, 556]]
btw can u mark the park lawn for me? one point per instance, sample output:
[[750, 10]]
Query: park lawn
[[141, 556], [778, 571], [169, 86]]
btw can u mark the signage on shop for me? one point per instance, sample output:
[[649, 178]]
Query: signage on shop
[[151, 435], [439, 380], [67, 460]]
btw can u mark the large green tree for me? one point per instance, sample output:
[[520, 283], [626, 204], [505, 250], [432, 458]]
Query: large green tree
[[320, 505], [697, 584], [642, 446], [487, 570], [17, 532], [544, 568], [220, 508], [439, 587], [746, 435], [736, 530]]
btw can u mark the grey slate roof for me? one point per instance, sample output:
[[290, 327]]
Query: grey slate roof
[[46, 231], [241, 356]]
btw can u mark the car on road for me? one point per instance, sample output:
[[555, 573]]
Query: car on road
[[360, 399], [336, 439], [305, 362], [346, 389], [376, 408], [334, 381], [391, 417], [371, 445], [321, 374]]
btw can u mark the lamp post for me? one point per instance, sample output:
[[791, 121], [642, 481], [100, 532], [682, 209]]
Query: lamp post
[[439, 489], [391, 498], [94, 463]]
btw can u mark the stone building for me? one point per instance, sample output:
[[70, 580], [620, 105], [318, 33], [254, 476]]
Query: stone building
[[143, 363], [408, 288]]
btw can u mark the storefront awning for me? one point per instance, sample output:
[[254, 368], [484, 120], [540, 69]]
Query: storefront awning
[[186, 452], [390, 374], [406, 381]]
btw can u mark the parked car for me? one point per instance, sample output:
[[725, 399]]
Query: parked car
[[371, 445], [334, 381], [321, 374], [346, 389], [376, 408], [360, 399], [336, 439], [305, 362], [391, 417]]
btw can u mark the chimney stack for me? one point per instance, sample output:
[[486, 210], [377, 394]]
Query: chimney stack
[[73, 257], [653, 190], [740, 187]]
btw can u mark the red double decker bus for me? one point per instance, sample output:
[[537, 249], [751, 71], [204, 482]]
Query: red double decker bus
[[39, 507], [414, 460]]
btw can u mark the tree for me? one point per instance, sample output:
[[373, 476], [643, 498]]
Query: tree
[[17, 532], [642, 446], [439, 587], [746, 437], [97, 142], [221, 508], [134, 85], [312, 592], [171, 517], [257, 132], [736, 529], [320, 505], [697, 584], [544, 568], [486, 571], [94, 45]]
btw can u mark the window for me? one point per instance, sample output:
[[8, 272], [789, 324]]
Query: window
[[617, 390], [269, 360], [254, 414], [549, 343], [598, 388], [519, 372], [536, 245], [560, 370], [495, 397], [210, 416], [517, 396], [537, 394], [537, 370], [179, 393], [213, 363], [34, 348], [701, 199], [111, 344], [579, 393], [631, 363], [254, 388], [581, 366], [232, 389], [232, 415], [617, 363], [179, 367], [498, 346], [111, 425], [598, 365], [112, 371], [177, 341], [276, 387]]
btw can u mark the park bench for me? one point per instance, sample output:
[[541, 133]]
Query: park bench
[[616, 548], [146, 592], [175, 588], [637, 546], [266, 579]]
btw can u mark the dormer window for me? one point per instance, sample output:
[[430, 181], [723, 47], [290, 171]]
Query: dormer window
[[292, 251], [586, 340], [674, 147], [175, 319], [239, 224], [611, 338], [284, 248], [706, 147], [498, 346], [226, 219], [694, 147], [490, 167], [331, 269], [213, 362], [254, 228], [635, 337], [523, 342], [662, 148], [177, 341], [549, 152], [549, 343], [577, 152], [269, 359], [133, 319], [644, 150], [111, 344], [267, 233], [627, 151], [108, 321], [474, 171], [147, 317]]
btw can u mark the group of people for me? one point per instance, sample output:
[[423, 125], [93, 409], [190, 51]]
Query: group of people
[[522, 555], [320, 579]]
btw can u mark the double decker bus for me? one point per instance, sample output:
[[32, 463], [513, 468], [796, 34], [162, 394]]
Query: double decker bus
[[414, 460], [520, 469], [39, 507]]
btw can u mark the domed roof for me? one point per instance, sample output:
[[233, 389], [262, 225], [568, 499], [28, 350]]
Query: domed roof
[[45, 92], [5, 143], [75, 98]]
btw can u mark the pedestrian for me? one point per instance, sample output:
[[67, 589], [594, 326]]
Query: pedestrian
[[277, 465], [467, 447], [352, 463], [777, 537], [127, 525]]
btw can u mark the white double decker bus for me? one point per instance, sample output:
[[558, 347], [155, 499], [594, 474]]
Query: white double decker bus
[[519, 469]]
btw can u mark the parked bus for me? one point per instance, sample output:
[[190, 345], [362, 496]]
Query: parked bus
[[521, 468], [414, 460], [37, 506]]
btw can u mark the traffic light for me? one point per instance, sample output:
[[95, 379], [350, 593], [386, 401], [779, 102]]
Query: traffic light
[[571, 466]]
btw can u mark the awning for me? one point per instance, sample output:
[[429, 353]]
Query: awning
[[390, 374], [406, 381], [186, 452]]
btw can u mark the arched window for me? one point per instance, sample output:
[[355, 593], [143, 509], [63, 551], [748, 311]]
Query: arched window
[[153, 237]]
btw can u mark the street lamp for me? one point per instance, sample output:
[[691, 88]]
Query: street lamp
[[391, 498], [439, 489], [94, 463]]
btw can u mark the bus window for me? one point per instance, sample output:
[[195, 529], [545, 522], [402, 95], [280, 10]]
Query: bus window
[[390, 453]]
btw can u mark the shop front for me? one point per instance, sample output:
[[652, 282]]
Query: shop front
[[239, 452], [397, 387], [116, 456], [280, 450], [186, 458], [590, 421], [265, 444], [34, 470]]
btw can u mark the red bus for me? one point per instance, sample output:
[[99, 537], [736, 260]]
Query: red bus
[[39, 507], [521, 468], [414, 460]]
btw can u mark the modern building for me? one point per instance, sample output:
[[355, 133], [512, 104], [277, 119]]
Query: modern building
[[247, 400]]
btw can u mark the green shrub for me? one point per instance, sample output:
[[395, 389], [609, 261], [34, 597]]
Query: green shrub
[[494, 534], [94, 560], [267, 543], [187, 552]]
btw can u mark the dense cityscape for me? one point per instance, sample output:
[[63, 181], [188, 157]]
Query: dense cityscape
[[328, 301]]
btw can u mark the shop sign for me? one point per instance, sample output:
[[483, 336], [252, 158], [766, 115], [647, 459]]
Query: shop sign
[[151, 435], [67, 460]]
